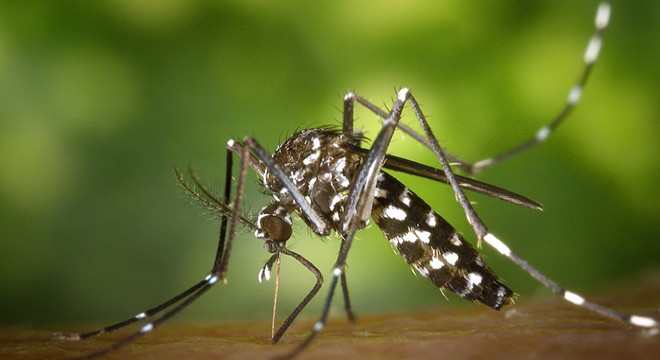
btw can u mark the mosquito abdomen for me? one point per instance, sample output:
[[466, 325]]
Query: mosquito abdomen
[[433, 247]]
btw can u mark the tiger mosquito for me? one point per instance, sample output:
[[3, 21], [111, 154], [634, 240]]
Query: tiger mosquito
[[334, 184]]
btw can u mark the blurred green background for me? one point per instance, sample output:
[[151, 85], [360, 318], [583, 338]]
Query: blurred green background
[[99, 101]]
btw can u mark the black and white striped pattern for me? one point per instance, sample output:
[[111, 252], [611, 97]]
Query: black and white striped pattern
[[432, 246], [572, 99]]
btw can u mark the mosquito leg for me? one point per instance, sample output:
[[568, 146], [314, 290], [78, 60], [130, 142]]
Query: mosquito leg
[[349, 107], [187, 297], [405, 128], [157, 309], [223, 222], [143, 315], [574, 96], [222, 258], [319, 281], [484, 234], [362, 189], [320, 324], [347, 300], [206, 285]]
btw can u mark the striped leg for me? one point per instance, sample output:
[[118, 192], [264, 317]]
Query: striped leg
[[574, 95], [484, 234], [181, 301], [543, 133]]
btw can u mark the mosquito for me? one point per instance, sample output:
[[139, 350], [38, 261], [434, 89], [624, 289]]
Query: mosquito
[[334, 184]]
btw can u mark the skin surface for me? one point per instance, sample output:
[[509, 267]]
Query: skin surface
[[547, 328]]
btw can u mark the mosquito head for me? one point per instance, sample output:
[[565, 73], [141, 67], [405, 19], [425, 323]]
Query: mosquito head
[[274, 226]]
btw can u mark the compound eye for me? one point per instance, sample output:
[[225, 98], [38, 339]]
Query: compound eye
[[277, 228]]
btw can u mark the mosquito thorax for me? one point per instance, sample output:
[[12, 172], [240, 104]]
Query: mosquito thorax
[[321, 165]]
